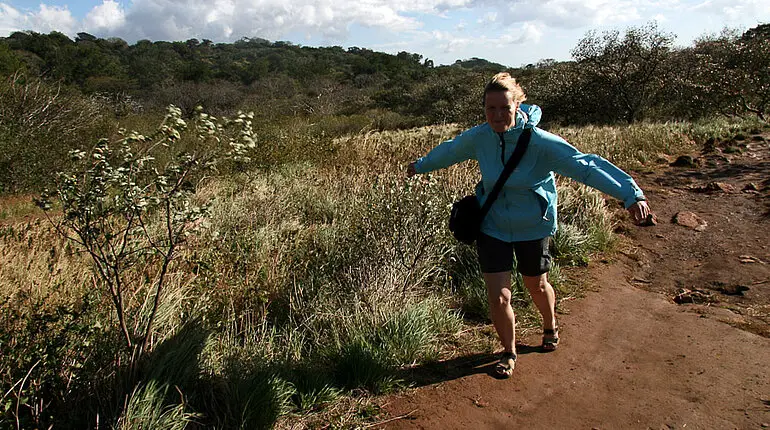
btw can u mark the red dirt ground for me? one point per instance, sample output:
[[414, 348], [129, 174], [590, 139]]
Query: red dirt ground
[[630, 356]]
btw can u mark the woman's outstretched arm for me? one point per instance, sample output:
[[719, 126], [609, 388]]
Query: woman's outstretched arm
[[594, 171], [449, 152]]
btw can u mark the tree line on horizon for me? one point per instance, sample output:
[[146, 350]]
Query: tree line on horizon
[[613, 77]]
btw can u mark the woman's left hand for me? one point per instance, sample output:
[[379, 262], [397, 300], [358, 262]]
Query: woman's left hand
[[410, 170], [639, 212]]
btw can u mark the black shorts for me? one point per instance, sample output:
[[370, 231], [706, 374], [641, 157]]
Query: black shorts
[[532, 256]]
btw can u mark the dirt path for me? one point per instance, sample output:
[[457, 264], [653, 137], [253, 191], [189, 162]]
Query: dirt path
[[631, 357]]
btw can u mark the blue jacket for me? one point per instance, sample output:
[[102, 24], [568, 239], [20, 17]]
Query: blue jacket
[[526, 206]]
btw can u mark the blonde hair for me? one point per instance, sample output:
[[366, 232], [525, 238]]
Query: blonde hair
[[503, 82]]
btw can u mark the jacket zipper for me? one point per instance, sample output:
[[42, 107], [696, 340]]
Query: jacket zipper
[[502, 149]]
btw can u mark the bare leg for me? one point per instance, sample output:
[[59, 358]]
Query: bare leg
[[499, 297], [544, 297]]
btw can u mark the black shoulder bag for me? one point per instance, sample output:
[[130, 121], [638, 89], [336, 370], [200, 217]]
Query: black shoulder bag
[[466, 216]]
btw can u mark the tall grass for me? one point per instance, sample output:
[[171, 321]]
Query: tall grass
[[629, 146], [637, 145], [146, 409], [320, 272]]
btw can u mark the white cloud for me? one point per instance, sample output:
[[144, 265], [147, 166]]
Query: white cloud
[[272, 19], [735, 10], [45, 19], [104, 18], [455, 45], [10, 19], [488, 18], [50, 18], [529, 34], [225, 20], [566, 14], [450, 43]]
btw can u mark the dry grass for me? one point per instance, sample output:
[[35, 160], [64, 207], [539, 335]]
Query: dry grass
[[314, 274], [36, 262], [14, 208]]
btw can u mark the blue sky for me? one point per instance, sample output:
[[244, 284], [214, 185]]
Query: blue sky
[[510, 32]]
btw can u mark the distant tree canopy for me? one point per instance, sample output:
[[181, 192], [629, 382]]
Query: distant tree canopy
[[623, 76], [614, 76], [480, 64]]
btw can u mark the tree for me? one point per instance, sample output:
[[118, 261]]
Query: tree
[[731, 72], [557, 91], [9, 62], [131, 213], [759, 32], [40, 121], [753, 71], [83, 36], [153, 64], [628, 72]]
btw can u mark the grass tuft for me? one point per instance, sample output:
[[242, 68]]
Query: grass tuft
[[147, 409]]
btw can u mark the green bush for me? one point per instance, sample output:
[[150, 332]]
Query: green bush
[[585, 224], [53, 355], [40, 122]]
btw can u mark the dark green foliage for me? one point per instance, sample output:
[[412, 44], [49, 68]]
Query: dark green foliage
[[175, 361], [724, 74], [314, 387], [40, 122], [10, 62], [481, 65], [257, 400], [467, 284], [623, 77], [58, 355], [615, 77], [451, 95], [359, 364], [158, 395]]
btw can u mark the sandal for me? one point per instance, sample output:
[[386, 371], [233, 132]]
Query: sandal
[[550, 339], [504, 367]]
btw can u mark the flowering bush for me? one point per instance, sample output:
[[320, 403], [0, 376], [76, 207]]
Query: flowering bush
[[130, 212]]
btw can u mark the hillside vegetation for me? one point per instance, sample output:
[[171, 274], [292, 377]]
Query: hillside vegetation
[[614, 77]]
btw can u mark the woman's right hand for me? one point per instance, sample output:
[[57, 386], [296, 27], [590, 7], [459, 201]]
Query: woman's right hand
[[410, 170], [640, 211]]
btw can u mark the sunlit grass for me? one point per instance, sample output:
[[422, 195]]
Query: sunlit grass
[[316, 275]]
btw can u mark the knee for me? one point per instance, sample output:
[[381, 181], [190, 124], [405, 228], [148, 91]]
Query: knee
[[537, 284], [502, 299]]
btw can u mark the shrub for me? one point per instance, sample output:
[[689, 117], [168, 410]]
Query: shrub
[[130, 214], [40, 122]]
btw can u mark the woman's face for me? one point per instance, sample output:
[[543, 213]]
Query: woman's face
[[500, 110]]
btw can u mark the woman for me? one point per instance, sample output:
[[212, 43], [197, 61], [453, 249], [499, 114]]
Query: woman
[[523, 218]]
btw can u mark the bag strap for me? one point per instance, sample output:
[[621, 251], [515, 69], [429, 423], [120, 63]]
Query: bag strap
[[518, 153]]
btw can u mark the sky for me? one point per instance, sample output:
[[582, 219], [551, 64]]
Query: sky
[[509, 32]]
